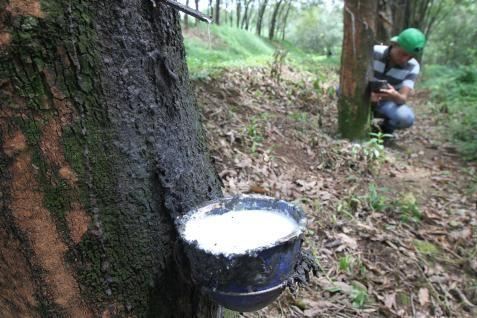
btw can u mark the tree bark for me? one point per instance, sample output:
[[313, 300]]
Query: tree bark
[[101, 149], [249, 19], [285, 19], [211, 9], [393, 17], [217, 12], [186, 17], [239, 13], [353, 103], [261, 12], [273, 22], [385, 20], [197, 9], [425, 14], [245, 13]]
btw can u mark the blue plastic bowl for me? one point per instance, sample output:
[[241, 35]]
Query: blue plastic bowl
[[246, 301], [249, 281]]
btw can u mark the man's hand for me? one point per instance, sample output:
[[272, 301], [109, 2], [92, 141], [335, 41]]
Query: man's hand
[[390, 93]]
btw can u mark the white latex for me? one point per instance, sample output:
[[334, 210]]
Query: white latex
[[237, 232]]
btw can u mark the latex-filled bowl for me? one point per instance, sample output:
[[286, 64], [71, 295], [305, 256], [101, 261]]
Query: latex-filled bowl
[[246, 281]]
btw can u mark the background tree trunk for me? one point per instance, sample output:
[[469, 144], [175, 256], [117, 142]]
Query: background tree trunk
[[217, 12], [353, 103], [273, 22], [238, 12], [245, 13], [426, 14], [385, 21], [261, 12], [249, 17], [393, 17], [186, 17], [101, 149], [197, 8], [211, 9], [285, 19]]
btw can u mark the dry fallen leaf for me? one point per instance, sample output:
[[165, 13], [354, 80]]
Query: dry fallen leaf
[[423, 296], [390, 300], [463, 234], [318, 307], [348, 241]]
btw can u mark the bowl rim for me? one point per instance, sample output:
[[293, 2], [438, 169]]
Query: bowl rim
[[258, 292], [210, 205]]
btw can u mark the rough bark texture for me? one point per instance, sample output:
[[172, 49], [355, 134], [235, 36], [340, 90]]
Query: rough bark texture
[[238, 13], [273, 21], [186, 17], [261, 12], [392, 19], [353, 104], [217, 12], [285, 19], [384, 23], [101, 148], [197, 9], [245, 14]]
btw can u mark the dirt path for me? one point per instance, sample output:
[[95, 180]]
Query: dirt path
[[395, 234]]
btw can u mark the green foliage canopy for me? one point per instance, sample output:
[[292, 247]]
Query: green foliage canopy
[[452, 42], [319, 30]]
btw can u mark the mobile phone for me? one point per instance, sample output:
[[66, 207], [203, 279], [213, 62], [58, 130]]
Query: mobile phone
[[377, 84]]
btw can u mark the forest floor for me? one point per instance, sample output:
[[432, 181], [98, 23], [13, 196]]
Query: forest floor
[[393, 229]]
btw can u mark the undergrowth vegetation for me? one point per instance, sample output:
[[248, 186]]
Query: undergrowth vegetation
[[453, 94]]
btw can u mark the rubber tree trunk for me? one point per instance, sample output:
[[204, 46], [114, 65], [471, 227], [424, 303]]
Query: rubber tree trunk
[[248, 17], [238, 13], [285, 20], [100, 150], [261, 12], [385, 20], [400, 14], [392, 15], [273, 21], [245, 14], [211, 9], [217, 12], [186, 17], [197, 9], [358, 39]]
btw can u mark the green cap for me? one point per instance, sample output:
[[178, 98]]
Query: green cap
[[411, 40]]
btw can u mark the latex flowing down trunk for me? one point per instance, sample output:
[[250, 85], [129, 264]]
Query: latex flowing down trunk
[[358, 40], [100, 149]]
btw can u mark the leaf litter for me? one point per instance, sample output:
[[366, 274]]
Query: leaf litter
[[393, 229]]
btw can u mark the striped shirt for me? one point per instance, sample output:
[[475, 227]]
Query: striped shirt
[[397, 76]]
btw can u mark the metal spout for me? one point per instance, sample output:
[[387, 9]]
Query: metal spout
[[179, 6]]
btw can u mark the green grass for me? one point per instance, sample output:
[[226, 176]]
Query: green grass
[[454, 95], [426, 248], [230, 47]]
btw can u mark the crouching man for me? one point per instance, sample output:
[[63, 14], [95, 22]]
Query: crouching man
[[396, 64]]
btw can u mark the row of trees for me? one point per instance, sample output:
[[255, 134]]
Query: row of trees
[[394, 15], [251, 15]]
